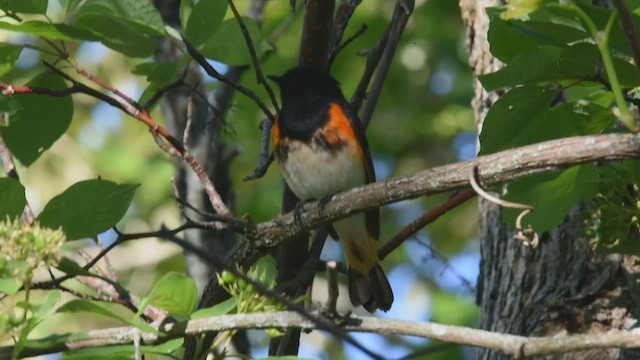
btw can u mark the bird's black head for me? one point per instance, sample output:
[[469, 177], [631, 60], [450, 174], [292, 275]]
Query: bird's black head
[[305, 85]]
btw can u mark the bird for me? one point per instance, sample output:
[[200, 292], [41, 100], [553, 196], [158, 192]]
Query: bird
[[321, 148]]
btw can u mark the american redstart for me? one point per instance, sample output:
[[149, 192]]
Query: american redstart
[[322, 150]]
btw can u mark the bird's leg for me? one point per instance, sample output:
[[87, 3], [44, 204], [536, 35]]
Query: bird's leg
[[298, 209], [324, 201]]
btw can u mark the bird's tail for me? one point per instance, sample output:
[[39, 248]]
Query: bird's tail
[[372, 290], [368, 285]]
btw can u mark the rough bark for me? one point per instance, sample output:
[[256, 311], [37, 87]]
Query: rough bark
[[560, 287]]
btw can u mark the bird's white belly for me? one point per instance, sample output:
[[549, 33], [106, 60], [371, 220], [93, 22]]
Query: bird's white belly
[[312, 172]]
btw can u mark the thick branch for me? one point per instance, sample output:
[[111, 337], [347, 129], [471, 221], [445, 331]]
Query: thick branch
[[493, 169], [316, 34], [514, 345]]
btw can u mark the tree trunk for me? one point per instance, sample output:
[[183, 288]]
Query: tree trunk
[[560, 287]]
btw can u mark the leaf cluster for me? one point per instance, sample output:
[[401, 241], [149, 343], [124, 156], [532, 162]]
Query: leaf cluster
[[569, 70]]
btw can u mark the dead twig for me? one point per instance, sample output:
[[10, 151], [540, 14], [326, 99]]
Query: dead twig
[[527, 236]]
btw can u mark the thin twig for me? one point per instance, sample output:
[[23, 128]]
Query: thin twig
[[211, 71], [527, 236], [266, 157], [254, 57], [373, 59], [135, 111], [427, 218], [473, 175], [401, 15], [332, 291], [318, 321], [343, 15], [334, 52], [105, 85], [110, 271], [187, 127], [446, 264], [628, 25], [119, 240]]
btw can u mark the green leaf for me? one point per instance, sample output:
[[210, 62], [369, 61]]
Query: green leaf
[[507, 40], [511, 114], [40, 313], [50, 341], [9, 286], [614, 233], [204, 20], [127, 26], [546, 64], [139, 14], [176, 293], [549, 32], [159, 75], [12, 198], [161, 72], [185, 11], [71, 267], [600, 118], [627, 73], [519, 8], [88, 208], [9, 55], [82, 305], [551, 195], [543, 27], [579, 61], [40, 122], [117, 352], [222, 308], [124, 352], [47, 305], [228, 46], [118, 35], [9, 105], [164, 348], [633, 169], [51, 31], [526, 68], [24, 6]]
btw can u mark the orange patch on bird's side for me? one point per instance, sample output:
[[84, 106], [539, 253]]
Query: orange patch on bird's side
[[339, 128], [280, 146], [275, 133]]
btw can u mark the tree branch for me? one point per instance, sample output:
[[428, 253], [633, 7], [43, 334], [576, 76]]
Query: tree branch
[[254, 57], [316, 34], [211, 71], [513, 345], [493, 169], [401, 15], [425, 219], [136, 111]]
